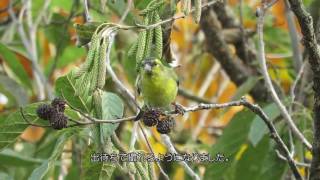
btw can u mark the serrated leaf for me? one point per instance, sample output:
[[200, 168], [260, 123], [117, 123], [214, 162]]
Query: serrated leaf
[[65, 87], [234, 135], [16, 67], [258, 128], [112, 108], [12, 126], [42, 170]]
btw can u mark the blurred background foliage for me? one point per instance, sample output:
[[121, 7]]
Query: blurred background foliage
[[235, 132]]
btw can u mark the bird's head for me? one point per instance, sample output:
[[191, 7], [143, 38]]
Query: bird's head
[[151, 66]]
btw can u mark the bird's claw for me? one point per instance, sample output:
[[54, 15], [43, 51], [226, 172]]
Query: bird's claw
[[178, 108]]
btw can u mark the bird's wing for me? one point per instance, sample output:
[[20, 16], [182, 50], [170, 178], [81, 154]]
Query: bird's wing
[[172, 74]]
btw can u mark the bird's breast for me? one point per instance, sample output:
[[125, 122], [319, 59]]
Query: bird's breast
[[158, 91]]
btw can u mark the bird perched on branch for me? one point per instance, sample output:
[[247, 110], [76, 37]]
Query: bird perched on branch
[[158, 86]]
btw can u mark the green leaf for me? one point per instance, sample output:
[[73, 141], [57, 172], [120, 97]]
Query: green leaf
[[56, 33], [234, 135], [65, 87], [42, 170], [251, 163], [258, 128], [13, 91], [245, 87], [70, 55], [13, 158], [14, 124], [273, 167], [16, 67], [112, 108]]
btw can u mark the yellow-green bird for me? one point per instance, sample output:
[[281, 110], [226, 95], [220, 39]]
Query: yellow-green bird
[[158, 86]]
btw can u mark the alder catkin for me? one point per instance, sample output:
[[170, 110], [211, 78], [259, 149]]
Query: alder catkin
[[85, 67], [133, 49], [97, 104], [186, 7], [158, 37], [150, 35], [142, 40], [197, 13], [95, 71], [102, 65], [152, 6]]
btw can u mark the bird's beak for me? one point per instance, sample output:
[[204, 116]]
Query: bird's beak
[[148, 68]]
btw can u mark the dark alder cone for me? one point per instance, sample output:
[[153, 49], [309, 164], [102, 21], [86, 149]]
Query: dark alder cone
[[58, 121], [45, 111], [151, 117], [164, 126], [59, 104]]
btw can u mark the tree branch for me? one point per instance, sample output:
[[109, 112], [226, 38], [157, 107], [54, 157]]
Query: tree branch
[[261, 56], [218, 47], [310, 42]]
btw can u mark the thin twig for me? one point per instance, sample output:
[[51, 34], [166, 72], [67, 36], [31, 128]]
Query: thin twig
[[116, 141], [111, 34], [151, 150], [41, 14], [30, 45], [120, 86], [152, 26], [262, 60], [30, 123], [167, 142], [295, 83], [86, 11], [176, 17], [126, 12], [296, 162]]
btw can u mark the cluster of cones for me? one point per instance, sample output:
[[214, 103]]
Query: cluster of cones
[[54, 112], [155, 117]]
